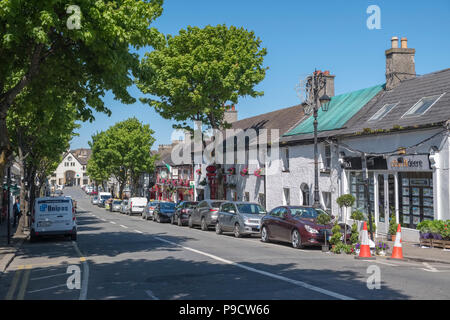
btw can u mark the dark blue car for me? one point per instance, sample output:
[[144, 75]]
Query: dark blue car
[[163, 211]]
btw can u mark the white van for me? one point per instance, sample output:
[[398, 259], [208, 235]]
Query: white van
[[53, 216], [136, 205]]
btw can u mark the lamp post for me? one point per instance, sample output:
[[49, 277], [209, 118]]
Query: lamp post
[[314, 86]]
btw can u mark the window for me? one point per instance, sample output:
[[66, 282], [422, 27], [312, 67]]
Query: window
[[422, 106], [327, 200], [327, 163], [286, 160], [286, 200], [383, 111], [262, 199], [305, 194], [246, 197]]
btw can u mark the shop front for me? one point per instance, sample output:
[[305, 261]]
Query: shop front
[[400, 185]]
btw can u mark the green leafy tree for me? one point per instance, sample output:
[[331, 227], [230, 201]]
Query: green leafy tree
[[200, 71], [123, 151], [40, 49]]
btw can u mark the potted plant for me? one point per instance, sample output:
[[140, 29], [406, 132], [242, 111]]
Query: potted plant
[[199, 172], [381, 248], [323, 219], [346, 201], [354, 237], [357, 248], [426, 237], [336, 235], [392, 227], [244, 172]]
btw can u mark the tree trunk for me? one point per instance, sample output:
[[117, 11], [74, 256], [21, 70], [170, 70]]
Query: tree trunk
[[121, 187], [5, 146]]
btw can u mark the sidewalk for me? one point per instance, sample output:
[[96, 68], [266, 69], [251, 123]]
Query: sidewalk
[[8, 252], [413, 251]]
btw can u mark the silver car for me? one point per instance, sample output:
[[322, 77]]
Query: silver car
[[116, 205], [241, 218], [94, 200], [124, 206], [205, 214]]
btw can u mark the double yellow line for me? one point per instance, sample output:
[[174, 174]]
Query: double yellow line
[[25, 270]]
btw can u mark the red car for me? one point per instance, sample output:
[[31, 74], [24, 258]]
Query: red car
[[295, 224]]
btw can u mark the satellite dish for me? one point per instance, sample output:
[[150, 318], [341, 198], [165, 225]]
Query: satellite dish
[[303, 89]]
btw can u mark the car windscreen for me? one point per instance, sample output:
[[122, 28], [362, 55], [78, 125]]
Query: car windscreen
[[104, 197], [216, 204], [250, 208], [309, 213], [191, 205], [167, 206], [117, 202]]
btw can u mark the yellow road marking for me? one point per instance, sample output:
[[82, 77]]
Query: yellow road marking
[[82, 259], [14, 283], [25, 279]]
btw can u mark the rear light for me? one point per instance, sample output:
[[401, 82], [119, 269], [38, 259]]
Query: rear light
[[183, 210], [73, 214], [213, 210]]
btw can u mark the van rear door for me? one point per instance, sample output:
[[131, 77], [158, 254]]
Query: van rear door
[[53, 215]]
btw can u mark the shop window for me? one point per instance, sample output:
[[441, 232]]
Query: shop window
[[381, 209], [357, 190], [327, 162], [416, 198], [286, 159], [246, 197]]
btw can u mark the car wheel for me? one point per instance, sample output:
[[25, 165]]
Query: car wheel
[[73, 237], [172, 220], [180, 224], [204, 225], [264, 235], [296, 240], [158, 219], [190, 224], [32, 239], [142, 216], [237, 231], [218, 228]]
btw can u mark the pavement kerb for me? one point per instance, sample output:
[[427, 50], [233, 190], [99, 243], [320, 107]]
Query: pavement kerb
[[9, 257], [418, 259]]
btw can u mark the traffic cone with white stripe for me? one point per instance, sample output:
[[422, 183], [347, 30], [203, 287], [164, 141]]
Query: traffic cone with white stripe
[[364, 251], [397, 251]]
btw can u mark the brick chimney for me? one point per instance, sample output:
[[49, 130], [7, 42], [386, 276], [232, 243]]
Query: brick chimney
[[230, 115], [400, 64]]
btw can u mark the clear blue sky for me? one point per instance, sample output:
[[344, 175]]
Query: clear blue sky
[[300, 36]]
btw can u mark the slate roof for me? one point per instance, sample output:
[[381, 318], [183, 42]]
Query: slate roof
[[407, 93], [341, 108], [82, 155]]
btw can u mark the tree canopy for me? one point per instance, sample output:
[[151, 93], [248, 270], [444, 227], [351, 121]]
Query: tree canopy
[[39, 51], [123, 151], [199, 71]]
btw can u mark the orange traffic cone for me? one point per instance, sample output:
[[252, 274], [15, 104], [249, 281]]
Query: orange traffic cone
[[364, 251], [397, 251]]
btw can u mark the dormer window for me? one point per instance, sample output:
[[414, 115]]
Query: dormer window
[[422, 106], [383, 111]]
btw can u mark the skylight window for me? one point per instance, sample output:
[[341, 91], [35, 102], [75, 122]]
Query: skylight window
[[422, 106], [383, 111]]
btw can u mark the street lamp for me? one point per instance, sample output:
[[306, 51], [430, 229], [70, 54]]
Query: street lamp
[[315, 84]]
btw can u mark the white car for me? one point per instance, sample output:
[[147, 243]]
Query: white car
[[53, 216], [136, 205]]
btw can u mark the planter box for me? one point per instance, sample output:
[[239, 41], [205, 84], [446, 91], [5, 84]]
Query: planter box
[[444, 244], [426, 242]]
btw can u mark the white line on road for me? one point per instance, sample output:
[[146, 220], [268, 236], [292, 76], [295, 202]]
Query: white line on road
[[151, 295], [112, 222], [138, 231], [385, 263], [272, 275], [46, 277], [429, 268], [85, 280], [124, 226], [103, 220], [54, 287]]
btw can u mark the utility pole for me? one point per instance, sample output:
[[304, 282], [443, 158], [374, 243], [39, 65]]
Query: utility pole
[[366, 192]]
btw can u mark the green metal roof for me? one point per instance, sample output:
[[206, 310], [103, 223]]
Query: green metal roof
[[340, 110]]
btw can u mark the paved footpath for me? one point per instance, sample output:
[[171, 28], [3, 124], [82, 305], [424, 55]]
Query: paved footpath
[[123, 257]]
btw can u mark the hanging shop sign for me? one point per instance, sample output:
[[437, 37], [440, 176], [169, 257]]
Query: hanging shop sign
[[417, 162], [373, 163], [211, 169]]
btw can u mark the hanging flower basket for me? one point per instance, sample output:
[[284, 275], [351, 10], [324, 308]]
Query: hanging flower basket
[[231, 171], [199, 172], [244, 172], [259, 172]]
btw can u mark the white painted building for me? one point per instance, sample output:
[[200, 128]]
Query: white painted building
[[72, 169]]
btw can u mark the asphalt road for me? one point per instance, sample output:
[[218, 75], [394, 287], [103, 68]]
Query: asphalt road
[[123, 257]]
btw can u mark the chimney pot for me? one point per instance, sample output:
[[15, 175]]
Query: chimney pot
[[404, 43], [394, 42]]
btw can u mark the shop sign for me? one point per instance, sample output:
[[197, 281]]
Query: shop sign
[[211, 169], [373, 163], [409, 163], [192, 184]]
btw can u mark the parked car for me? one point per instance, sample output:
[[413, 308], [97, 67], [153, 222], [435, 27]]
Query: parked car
[[103, 196], [241, 218], [95, 200], [205, 214], [53, 216], [163, 211], [116, 205], [124, 206], [136, 205], [183, 211], [147, 214], [295, 224]]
